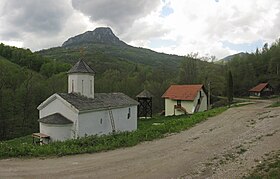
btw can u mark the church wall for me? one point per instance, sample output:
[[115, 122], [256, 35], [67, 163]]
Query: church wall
[[57, 106], [57, 132], [99, 123]]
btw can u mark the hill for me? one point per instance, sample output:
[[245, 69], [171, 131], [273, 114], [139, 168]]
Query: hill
[[251, 69], [101, 47], [231, 57], [124, 68], [26, 79], [16, 100], [101, 35]]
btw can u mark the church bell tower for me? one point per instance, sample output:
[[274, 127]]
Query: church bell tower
[[81, 79]]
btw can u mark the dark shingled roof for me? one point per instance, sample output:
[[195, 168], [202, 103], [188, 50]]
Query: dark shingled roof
[[55, 118], [81, 67], [145, 94], [100, 101]]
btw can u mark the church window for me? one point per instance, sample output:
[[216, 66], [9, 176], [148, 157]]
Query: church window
[[72, 86], [128, 115], [82, 86], [90, 86]]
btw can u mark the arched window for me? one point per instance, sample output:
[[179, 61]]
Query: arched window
[[82, 86], [72, 86], [128, 115], [90, 86]]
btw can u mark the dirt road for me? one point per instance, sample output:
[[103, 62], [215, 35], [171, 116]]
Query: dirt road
[[225, 146]]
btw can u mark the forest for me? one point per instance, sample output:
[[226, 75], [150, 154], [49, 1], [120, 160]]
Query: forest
[[27, 78]]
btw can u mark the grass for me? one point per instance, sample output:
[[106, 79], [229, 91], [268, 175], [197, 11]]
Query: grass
[[269, 169], [275, 104], [23, 147], [242, 104]]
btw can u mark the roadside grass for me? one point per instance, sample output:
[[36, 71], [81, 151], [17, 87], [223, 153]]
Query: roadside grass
[[237, 102], [242, 104], [275, 104], [148, 129], [269, 169], [262, 98]]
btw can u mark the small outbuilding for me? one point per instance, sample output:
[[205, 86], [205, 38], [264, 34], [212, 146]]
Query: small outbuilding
[[185, 99], [81, 112], [145, 107], [261, 90]]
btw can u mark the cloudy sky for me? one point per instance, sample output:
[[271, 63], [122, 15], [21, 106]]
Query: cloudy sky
[[209, 27]]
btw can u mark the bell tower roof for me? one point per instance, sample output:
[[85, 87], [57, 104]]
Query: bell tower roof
[[81, 67]]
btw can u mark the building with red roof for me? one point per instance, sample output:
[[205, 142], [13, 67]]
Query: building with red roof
[[262, 89], [185, 99]]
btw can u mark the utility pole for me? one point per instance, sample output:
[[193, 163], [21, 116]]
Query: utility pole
[[277, 69], [209, 96]]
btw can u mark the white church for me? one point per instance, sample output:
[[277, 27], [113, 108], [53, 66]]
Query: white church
[[81, 112]]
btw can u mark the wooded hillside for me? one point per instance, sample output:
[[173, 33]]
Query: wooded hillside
[[250, 69], [27, 79]]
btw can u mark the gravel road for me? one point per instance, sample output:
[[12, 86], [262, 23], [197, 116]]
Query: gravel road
[[226, 146]]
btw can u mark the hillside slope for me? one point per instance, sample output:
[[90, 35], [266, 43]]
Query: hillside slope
[[102, 46], [26, 80]]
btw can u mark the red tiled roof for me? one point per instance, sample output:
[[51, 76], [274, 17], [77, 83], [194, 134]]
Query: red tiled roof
[[182, 92], [259, 87]]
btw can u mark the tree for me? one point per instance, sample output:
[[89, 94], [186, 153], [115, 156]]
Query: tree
[[188, 71], [2, 111], [229, 88]]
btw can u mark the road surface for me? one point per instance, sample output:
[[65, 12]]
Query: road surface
[[225, 146]]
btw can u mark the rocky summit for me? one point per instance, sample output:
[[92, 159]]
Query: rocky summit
[[101, 35]]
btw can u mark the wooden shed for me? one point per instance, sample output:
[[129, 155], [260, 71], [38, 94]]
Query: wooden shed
[[145, 107], [261, 90]]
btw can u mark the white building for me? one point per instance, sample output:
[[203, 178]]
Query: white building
[[81, 112], [185, 99]]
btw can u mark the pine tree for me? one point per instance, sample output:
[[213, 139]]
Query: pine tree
[[229, 88]]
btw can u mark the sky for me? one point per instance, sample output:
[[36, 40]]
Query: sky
[[208, 27]]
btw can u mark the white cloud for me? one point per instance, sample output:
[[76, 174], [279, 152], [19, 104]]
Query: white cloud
[[192, 26], [119, 14], [38, 24], [201, 26], [12, 43], [74, 25], [33, 16]]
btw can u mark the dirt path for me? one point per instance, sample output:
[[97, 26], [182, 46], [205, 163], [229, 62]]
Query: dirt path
[[225, 146]]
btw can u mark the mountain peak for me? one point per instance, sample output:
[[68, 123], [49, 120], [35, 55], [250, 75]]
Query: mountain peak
[[230, 57], [106, 30], [101, 35]]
